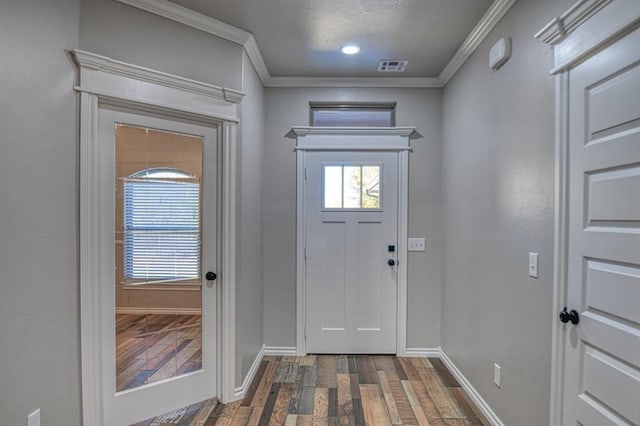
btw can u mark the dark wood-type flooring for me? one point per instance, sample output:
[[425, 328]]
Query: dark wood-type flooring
[[340, 390], [154, 347]]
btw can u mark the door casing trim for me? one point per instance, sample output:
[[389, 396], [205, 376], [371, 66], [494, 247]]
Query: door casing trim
[[391, 139], [574, 36], [143, 90]]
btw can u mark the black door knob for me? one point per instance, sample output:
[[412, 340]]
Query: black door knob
[[572, 316], [211, 276], [391, 262]]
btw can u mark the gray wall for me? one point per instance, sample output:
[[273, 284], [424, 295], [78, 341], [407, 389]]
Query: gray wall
[[132, 35], [498, 166], [287, 107], [39, 320], [249, 335]]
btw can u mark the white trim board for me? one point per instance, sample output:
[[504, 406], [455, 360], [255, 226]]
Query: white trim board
[[107, 65], [420, 82], [213, 26], [158, 311], [227, 278], [470, 390], [280, 351], [240, 391], [421, 352]]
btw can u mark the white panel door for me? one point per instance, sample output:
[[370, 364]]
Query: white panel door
[[602, 352], [351, 210], [170, 371]]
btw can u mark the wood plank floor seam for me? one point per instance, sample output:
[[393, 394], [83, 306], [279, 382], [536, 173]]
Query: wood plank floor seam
[[340, 390]]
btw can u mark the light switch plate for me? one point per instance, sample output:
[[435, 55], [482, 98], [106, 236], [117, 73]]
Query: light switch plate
[[416, 244], [34, 418], [533, 265], [496, 374]]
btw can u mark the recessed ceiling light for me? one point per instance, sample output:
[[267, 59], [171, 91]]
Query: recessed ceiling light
[[350, 49]]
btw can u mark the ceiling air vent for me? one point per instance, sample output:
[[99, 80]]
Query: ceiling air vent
[[387, 65]]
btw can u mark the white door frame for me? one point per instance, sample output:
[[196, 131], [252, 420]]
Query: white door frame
[[586, 28], [388, 139], [103, 80]]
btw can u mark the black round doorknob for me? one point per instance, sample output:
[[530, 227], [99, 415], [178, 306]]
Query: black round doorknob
[[572, 316], [391, 262], [211, 276]]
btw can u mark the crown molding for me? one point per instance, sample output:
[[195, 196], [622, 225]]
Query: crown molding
[[95, 62], [423, 82], [210, 25], [202, 22], [251, 47], [488, 22], [561, 26], [191, 18]]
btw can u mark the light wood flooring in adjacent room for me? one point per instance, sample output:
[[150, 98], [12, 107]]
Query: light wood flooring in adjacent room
[[154, 347], [340, 390]]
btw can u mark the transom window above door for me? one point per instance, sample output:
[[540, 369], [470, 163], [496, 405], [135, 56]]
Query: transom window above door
[[351, 186], [372, 114]]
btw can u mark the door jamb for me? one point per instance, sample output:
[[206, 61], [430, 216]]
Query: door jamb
[[379, 139], [104, 80]]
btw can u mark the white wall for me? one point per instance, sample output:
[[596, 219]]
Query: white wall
[[128, 34], [498, 166], [287, 107], [39, 320], [249, 333]]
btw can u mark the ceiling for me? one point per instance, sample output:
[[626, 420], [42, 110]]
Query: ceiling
[[302, 38]]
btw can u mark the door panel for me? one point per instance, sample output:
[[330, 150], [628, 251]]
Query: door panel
[[351, 210], [369, 270], [602, 352], [333, 267], [158, 234]]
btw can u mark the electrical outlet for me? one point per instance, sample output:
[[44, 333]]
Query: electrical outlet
[[416, 244], [533, 265], [34, 418], [496, 375]]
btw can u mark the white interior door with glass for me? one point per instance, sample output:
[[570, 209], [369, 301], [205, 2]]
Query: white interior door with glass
[[351, 247], [157, 235]]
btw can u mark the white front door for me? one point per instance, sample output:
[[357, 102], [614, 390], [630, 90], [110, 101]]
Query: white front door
[[351, 218], [157, 238], [602, 351]]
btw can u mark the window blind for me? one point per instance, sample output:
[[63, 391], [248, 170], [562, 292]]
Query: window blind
[[356, 114], [162, 229]]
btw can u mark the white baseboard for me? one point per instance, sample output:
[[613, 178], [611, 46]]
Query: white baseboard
[[421, 352], [241, 391], [159, 311], [471, 391], [280, 351]]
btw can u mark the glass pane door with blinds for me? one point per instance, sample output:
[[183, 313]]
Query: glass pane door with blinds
[[159, 311]]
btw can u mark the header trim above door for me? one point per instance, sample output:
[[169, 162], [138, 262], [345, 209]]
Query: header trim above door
[[405, 132], [309, 138]]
